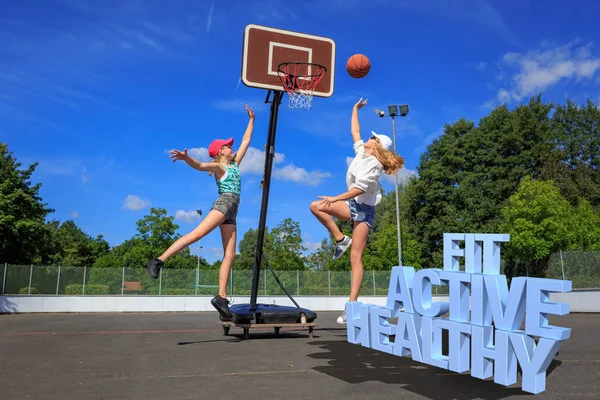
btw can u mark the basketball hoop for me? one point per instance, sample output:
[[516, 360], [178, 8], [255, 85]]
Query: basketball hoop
[[300, 80]]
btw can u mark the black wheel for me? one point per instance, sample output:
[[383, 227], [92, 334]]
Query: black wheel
[[276, 329], [226, 329], [246, 333]]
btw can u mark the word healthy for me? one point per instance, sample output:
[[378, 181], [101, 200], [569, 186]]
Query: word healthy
[[478, 296]]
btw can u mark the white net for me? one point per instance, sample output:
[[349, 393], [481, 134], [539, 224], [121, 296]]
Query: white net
[[300, 81], [300, 99]]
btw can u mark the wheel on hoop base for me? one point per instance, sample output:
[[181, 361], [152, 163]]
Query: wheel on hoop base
[[226, 329]]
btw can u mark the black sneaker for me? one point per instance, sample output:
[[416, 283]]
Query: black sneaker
[[154, 267], [222, 306]]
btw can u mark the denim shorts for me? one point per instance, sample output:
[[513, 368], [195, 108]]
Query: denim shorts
[[360, 212], [227, 203]]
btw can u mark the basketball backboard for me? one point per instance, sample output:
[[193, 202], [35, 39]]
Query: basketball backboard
[[265, 48]]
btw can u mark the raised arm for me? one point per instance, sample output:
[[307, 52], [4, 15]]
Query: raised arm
[[247, 137], [176, 155], [355, 125]]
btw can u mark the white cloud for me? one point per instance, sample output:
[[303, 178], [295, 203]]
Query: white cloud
[[254, 164], [254, 161], [210, 16], [75, 214], [187, 216], [299, 175], [199, 153], [537, 70], [134, 202], [503, 96]]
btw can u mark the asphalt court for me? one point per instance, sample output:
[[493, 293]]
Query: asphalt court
[[187, 356]]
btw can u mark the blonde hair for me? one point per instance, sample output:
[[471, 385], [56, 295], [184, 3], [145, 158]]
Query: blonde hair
[[391, 161], [217, 160]]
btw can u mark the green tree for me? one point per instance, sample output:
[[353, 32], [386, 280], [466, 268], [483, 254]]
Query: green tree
[[322, 257], [22, 212], [247, 246], [467, 175], [73, 247], [156, 232], [284, 247], [540, 222], [574, 160], [586, 225]]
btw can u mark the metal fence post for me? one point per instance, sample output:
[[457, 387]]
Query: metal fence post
[[329, 281], [30, 276], [562, 265], [374, 291], [123, 281], [197, 279], [298, 282], [4, 278], [84, 276], [160, 281], [58, 280]]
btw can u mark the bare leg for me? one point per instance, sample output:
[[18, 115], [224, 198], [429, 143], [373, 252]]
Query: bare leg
[[212, 220], [228, 234], [359, 242], [324, 213]]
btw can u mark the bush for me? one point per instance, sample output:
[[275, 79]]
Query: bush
[[89, 289], [25, 290]]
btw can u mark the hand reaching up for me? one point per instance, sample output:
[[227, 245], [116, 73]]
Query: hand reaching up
[[360, 104], [250, 112], [179, 155]]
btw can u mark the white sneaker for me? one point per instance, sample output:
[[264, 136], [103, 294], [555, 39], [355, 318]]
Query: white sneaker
[[342, 318], [341, 247]]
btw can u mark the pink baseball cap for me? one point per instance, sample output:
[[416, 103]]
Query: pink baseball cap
[[216, 145]]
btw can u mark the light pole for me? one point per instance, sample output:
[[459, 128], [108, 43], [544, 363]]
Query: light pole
[[393, 111]]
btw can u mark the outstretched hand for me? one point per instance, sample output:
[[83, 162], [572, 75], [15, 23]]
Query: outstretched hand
[[250, 112], [178, 155], [360, 103]]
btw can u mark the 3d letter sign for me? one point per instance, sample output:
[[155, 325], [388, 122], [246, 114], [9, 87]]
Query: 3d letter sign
[[478, 296]]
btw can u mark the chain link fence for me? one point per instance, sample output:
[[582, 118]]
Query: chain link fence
[[582, 268]]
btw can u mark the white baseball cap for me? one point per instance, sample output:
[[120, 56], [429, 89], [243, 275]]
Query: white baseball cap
[[385, 141]]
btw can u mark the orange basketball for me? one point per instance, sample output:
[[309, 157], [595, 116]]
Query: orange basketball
[[358, 66]]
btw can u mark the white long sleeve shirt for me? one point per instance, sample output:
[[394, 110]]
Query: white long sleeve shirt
[[363, 173]]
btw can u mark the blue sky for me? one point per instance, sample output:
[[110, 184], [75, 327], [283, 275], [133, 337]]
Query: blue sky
[[99, 91]]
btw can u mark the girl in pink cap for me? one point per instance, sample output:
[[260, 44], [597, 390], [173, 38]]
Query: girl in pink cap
[[357, 204], [225, 167]]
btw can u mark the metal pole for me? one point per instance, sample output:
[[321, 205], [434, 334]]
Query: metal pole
[[397, 199], [160, 282], [58, 280], [374, 291], [562, 265], [269, 156], [122, 281], [30, 276], [84, 275], [4, 278], [198, 275]]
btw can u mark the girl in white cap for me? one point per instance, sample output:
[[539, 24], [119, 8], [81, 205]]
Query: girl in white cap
[[224, 210], [358, 203]]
